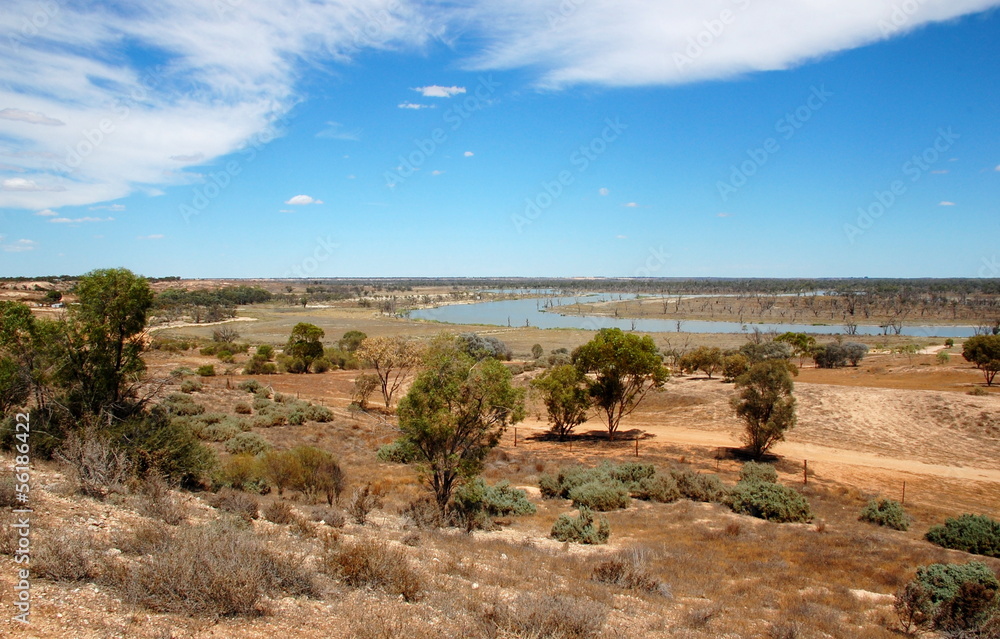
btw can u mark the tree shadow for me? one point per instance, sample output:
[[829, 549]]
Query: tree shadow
[[596, 435]]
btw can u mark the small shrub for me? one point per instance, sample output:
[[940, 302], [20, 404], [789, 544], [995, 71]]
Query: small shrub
[[8, 496], [886, 512], [960, 599], [253, 386], [217, 570], [374, 564], [242, 472], [182, 405], [978, 391], [267, 420], [423, 513], [976, 534], [632, 473], [581, 529], [698, 487], [601, 496], [68, 556], [544, 615], [238, 503], [100, 467], [208, 370], [628, 569], [320, 414], [156, 501], [658, 488], [190, 386], [261, 403], [219, 432], [772, 502], [281, 468], [242, 408], [477, 503], [363, 501], [943, 358], [503, 500], [329, 516], [753, 471], [549, 486], [246, 444], [279, 512], [397, 452]]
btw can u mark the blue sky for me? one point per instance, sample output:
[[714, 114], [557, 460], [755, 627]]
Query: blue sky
[[576, 138]]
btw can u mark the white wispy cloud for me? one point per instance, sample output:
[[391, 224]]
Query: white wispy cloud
[[723, 215], [631, 205], [603, 191], [22, 184], [946, 203], [226, 73], [302, 200], [621, 237], [154, 236], [414, 105], [46, 213], [436, 91], [32, 117], [20, 246], [336, 131], [108, 207], [637, 42], [998, 167], [437, 172], [468, 154], [191, 158], [80, 220]]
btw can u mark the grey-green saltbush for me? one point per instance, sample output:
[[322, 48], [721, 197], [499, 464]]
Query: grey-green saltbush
[[772, 502], [657, 488], [886, 512], [601, 496], [246, 443], [581, 529], [977, 534], [753, 471], [397, 452], [697, 487]]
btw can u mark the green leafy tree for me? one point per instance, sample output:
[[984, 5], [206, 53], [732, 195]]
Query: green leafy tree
[[802, 343], [102, 342], [706, 359], [305, 343], [566, 397], [765, 403], [454, 413], [537, 351], [626, 368], [17, 354], [984, 352]]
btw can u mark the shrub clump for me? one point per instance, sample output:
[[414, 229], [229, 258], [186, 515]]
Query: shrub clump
[[657, 488], [397, 452], [886, 512], [208, 370], [247, 444], [477, 503], [976, 534], [754, 471], [190, 386], [581, 529], [772, 502], [698, 487], [210, 570], [279, 512], [601, 496], [628, 569], [632, 473], [238, 503], [374, 564], [959, 599]]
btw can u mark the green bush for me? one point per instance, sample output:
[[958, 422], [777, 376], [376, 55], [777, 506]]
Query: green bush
[[503, 500], [242, 408], [698, 487], [397, 452], [477, 503], [976, 534], [549, 486], [260, 403], [259, 366], [321, 414], [753, 471], [182, 405], [241, 472], [581, 529], [601, 496], [959, 599], [886, 512], [657, 488], [320, 365], [253, 386], [208, 370], [267, 420], [772, 502], [246, 443], [155, 442], [632, 473], [219, 432]]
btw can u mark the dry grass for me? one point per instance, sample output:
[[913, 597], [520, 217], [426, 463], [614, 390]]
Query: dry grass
[[372, 563]]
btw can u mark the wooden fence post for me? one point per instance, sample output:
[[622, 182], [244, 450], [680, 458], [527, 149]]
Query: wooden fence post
[[903, 501], [805, 472]]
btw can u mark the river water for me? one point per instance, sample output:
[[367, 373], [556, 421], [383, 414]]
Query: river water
[[530, 312]]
